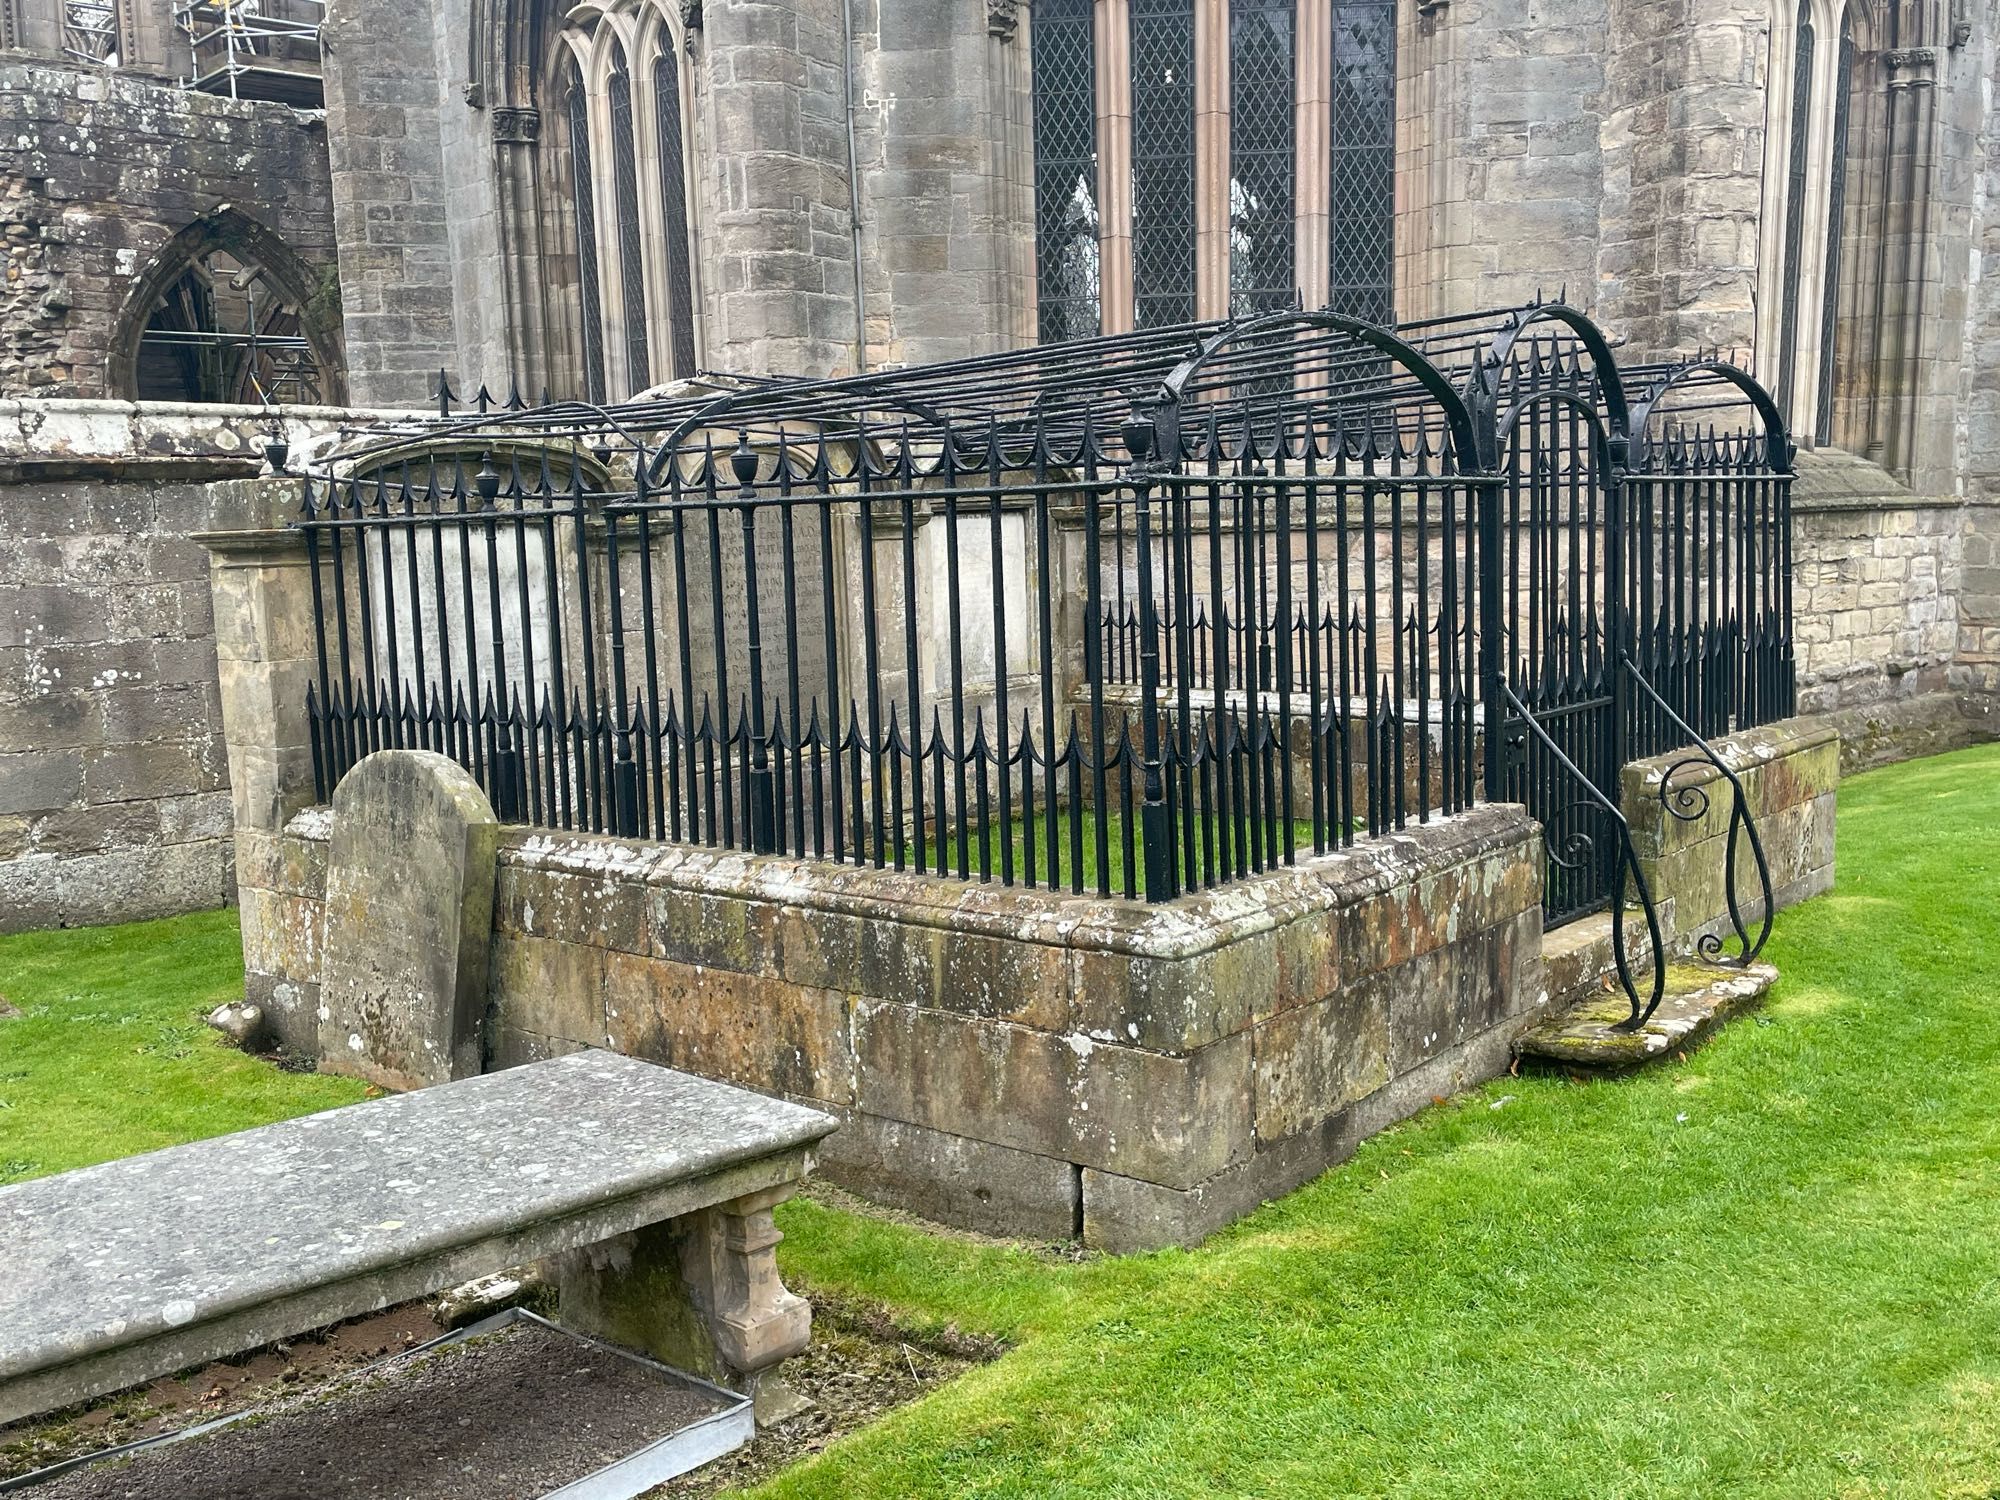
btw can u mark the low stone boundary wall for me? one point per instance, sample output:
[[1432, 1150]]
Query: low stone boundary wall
[[1790, 773], [114, 780], [1023, 1062]]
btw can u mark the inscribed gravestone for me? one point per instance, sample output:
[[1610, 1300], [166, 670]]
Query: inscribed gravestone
[[409, 916]]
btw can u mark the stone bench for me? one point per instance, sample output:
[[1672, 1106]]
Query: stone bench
[[653, 1189]]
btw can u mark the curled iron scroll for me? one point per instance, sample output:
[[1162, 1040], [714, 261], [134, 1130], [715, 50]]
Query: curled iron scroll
[[1575, 848], [1689, 803]]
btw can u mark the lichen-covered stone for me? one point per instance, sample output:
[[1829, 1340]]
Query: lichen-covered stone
[[409, 922], [206, 1249], [1594, 1035]]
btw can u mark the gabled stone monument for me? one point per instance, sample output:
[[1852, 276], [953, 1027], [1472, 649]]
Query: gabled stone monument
[[409, 917]]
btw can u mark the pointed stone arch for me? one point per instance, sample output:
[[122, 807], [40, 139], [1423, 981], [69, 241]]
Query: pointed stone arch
[[312, 295]]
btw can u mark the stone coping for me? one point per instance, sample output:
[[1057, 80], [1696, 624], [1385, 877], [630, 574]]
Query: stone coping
[[1745, 750], [109, 1257], [1192, 925], [1831, 479]]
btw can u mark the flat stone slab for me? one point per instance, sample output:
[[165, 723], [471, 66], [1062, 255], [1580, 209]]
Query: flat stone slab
[[118, 1273], [1698, 1000]]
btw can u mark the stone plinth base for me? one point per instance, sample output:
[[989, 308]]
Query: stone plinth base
[[1591, 1035]]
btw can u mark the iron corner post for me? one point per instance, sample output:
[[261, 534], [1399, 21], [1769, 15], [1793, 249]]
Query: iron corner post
[[1482, 405], [1617, 606], [1141, 433]]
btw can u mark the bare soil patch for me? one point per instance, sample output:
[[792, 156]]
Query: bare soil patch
[[175, 1403], [860, 1366], [511, 1415]]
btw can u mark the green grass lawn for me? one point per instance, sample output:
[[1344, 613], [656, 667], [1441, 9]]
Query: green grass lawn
[[110, 1055], [1769, 1269]]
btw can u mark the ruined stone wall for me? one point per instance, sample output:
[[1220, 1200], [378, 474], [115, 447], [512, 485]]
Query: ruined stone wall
[[778, 262], [388, 185], [1683, 149], [1504, 116], [1876, 597], [98, 171]]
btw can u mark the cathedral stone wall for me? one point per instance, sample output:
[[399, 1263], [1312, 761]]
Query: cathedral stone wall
[[388, 185]]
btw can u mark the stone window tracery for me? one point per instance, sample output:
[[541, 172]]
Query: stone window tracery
[[91, 31], [1805, 177], [636, 230], [1211, 158]]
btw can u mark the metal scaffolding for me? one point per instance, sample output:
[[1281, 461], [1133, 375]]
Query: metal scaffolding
[[255, 49]]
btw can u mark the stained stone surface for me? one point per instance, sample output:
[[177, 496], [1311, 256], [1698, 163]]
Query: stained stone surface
[[1697, 1001], [135, 1268], [409, 910]]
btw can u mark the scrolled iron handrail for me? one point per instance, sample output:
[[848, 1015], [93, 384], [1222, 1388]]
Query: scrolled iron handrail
[[1689, 803], [1576, 850]]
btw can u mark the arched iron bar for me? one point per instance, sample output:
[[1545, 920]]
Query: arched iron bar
[[1690, 803], [1458, 417], [1600, 438], [705, 416], [470, 428], [1579, 847], [1610, 380], [1777, 435]]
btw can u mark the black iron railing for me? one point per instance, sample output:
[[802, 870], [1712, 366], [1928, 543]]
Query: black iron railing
[[1136, 615]]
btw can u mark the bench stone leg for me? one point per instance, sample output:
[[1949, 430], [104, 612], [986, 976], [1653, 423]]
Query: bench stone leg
[[699, 1292]]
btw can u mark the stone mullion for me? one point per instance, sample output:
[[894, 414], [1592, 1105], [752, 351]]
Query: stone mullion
[[610, 259], [1312, 154], [1211, 158], [1112, 21]]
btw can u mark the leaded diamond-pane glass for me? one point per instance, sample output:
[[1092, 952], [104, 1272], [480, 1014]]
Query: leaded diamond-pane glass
[[1795, 209], [1362, 198], [1836, 200], [1066, 250], [1261, 167], [586, 239], [631, 264], [673, 204], [1163, 161]]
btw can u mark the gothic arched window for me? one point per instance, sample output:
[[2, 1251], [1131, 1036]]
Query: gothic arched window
[[1843, 85], [631, 257], [1213, 162], [583, 185], [1361, 195], [1798, 162], [673, 210], [1262, 120], [1066, 217], [1163, 163], [629, 150], [1806, 202]]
